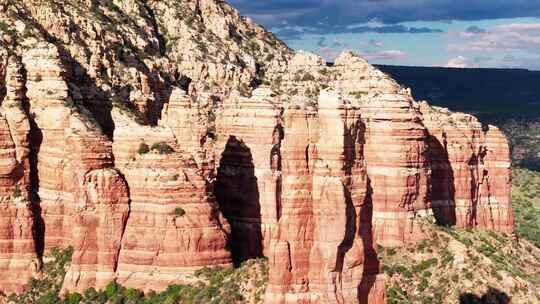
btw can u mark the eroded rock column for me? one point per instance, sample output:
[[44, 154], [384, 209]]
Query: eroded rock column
[[248, 185], [18, 258], [174, 227]]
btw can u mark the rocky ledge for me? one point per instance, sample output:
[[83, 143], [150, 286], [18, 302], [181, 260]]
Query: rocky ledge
[[159, 137]]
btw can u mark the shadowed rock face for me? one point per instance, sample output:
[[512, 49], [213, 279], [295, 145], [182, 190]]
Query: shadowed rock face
[[205, 141]]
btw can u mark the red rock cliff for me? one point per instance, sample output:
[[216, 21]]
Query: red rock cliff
[[192, 137]]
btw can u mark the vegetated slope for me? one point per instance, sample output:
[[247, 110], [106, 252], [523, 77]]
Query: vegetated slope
[[454, 265], [526, 203], [508, 98], [245, 284], [524, 138]]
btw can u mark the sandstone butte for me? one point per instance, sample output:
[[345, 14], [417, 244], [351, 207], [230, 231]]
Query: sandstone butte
[[115, 117]]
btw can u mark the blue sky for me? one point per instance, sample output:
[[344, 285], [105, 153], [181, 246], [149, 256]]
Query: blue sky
[[453, 33]]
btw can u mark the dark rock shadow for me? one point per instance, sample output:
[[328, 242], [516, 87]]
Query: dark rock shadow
[[492, 296], [442, 184], [238, 196], [371, 259], [35, 138], [359, 220], [351, 137], [478, 175]]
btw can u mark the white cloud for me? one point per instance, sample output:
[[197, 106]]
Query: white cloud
[[330, 54], [459, 62], [373, 23], [384, 55], [524, 37], [377, 43]]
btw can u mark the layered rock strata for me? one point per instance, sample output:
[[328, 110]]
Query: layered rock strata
[[133, 141], [82, 201], [174, 227], [311, 262], [470, 171], [307, 186], [248, 184], [98, 227], [18, 258]]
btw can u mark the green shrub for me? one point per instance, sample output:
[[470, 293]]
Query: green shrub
[[424, 265], [91, 294], [143, 148], [179, 211], [111, 289], [133, 294], [447, 257], [423, 284], [215, 285], [162, 148], [113, 7], [308, 77], [73, 298], [46, 290], [17, 191], [68, 102]]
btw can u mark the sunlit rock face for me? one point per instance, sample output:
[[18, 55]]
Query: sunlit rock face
[[470, 171], [192, 137]]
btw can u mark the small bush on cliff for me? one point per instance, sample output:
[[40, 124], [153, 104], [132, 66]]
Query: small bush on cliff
[[179, 211], [70, 103], [308, 77], [113, 7], [73, 298], [4, 27], [143, 148], [214, 285], [17, 191], [47, 289], [162, 148]]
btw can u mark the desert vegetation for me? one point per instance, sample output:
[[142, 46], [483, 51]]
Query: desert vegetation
[[526, 204], [451, 265], [244, 284]]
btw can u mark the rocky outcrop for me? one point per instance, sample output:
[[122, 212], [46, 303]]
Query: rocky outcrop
[[192, 121], [82, 201], [470, 171], [282, 192], [174, 227], [18, 258], [397, 165], [98, 226], [170, 197], [248, 183], [66, 143], [140, 136], [323, 251]]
